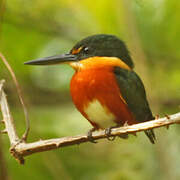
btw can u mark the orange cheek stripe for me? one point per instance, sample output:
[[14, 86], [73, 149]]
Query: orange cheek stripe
[[103, 62], [76, 51]]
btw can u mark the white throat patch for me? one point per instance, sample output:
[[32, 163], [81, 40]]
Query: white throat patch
[[99, 114]]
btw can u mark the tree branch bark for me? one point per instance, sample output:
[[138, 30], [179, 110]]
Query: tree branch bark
[[19, 149], [7, 118]]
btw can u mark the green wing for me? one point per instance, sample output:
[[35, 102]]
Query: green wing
[[133, 92]]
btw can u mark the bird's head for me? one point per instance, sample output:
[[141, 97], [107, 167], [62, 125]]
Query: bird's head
[[100, 45]]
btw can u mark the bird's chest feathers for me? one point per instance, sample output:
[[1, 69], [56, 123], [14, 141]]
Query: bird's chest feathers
[[96, 94], [91, 84], [90, 90], [99, 113]]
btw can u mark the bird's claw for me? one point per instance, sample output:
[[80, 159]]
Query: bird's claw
[[90, 137], [108, 134]]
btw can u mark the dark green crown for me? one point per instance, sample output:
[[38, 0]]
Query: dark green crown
[[103, 45]]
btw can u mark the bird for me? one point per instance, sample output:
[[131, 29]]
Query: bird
[[104, 88]]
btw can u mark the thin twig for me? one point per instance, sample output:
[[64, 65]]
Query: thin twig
[[24, 137], [9, 122], [7, 118], [20, 149]]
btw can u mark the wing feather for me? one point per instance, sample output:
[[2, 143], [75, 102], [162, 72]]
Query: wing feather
[[133, 92]]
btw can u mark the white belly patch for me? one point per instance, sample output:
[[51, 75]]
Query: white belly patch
[[99, 114]]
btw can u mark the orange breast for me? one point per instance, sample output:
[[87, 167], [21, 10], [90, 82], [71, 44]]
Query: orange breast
[[99, 85]]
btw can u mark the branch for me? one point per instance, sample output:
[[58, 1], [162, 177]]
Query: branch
[[7, 118], [20, 149], [19, 92]]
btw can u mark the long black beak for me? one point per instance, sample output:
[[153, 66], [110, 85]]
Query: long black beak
[[63, 58]]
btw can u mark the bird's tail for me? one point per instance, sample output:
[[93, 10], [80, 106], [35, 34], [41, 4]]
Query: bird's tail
[[150, 134]]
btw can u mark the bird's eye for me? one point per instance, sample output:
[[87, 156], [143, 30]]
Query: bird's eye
[[86, 49]]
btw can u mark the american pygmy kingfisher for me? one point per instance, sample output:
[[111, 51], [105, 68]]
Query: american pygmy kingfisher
[[104, 88]]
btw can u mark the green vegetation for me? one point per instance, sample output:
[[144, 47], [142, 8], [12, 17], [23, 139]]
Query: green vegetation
[[33, 29]]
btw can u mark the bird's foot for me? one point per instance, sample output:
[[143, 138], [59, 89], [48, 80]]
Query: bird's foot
[[89, 135], [108, 134]]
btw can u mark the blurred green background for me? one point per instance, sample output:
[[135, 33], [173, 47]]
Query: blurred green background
[[36, 28]]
